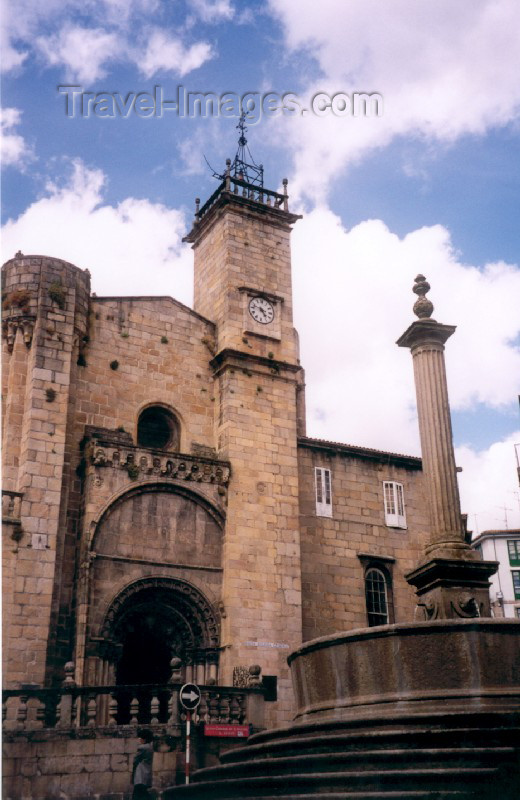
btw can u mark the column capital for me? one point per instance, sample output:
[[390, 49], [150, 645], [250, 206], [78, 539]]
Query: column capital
[[426, 332]]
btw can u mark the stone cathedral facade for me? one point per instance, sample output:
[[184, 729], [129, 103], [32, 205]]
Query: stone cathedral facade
[[160, 496]]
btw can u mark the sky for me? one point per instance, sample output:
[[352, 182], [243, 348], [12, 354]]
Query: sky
[[421, 177]]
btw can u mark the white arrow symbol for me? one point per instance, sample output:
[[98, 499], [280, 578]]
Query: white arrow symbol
[[190, 696]]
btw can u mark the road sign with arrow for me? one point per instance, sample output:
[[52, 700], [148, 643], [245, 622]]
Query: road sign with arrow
[[189, 696]]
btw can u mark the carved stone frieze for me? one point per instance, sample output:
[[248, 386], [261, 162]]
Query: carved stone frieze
[[140, 463]]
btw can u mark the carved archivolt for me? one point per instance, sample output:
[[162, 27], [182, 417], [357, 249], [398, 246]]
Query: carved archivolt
[[182, 597]]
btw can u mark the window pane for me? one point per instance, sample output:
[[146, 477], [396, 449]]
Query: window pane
[[323, 479], [376, 598], [513, 547], [516, 583], [326, 473], [389, 498], [319, 489], [400, 499]]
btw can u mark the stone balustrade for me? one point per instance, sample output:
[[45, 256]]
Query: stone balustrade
[[72, 706], [241, 188]]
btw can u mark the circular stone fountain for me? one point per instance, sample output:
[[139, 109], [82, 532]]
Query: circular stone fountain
[[422, 710]]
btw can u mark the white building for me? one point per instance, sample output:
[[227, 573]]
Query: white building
[[502, 546]]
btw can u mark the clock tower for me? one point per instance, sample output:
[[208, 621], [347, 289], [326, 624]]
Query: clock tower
[[241, 243]]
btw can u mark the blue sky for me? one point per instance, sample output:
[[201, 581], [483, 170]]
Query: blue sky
[[431, 185]]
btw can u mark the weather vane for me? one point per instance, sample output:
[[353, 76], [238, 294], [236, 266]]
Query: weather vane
[[241, 169]]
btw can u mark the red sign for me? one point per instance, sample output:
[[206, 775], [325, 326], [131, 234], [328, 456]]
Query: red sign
[[221, 729]]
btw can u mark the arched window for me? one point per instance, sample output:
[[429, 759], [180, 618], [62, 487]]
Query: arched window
[[376, 593], [158, 428]]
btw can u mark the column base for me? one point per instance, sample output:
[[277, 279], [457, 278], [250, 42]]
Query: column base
[[452, 588]]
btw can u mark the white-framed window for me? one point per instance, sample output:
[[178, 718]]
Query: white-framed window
[[323, 482], [395, 516], [376, 595]]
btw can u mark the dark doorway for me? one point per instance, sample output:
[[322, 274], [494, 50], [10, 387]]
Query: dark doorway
[[146, 657], [151, 631], [147, 633]]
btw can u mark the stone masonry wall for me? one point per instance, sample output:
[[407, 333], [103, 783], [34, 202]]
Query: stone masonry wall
[[332, 573], [161, 357], [240, 251], [261, 582], [243, 251], [70, 765], [54, 764], [45, 305]]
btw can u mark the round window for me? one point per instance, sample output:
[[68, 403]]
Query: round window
[[158, 428]]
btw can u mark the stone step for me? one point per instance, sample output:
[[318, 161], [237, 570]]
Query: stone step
[[462, 726], [348, 795], [387, 740], [459, 782], [366, 760]]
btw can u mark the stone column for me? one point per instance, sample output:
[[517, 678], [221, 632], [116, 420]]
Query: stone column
[[452, 580]]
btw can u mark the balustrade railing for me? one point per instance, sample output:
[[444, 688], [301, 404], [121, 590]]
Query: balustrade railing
[[112, 706], [250, 191]]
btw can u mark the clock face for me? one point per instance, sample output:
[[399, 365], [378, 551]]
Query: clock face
[[261, 310]]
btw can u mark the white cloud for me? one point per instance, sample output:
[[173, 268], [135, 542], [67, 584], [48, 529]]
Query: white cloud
[[12, 59], [353, 300], [85, 39], [444, 69], [489, 485], [132, 248], [84, 52], [14, 150], [212, 10], [165, 53]]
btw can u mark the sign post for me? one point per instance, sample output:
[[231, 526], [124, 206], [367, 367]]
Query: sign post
[[189, 698]]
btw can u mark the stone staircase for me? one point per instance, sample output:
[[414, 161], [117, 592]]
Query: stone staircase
[[476, 760]]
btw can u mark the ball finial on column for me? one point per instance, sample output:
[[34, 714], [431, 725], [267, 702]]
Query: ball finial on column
[[423, 308]]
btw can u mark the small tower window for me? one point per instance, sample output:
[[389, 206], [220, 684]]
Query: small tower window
[[158, 428], [376, 594]]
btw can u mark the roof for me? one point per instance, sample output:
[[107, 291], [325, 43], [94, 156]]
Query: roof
[[500, 533], [381, 456]]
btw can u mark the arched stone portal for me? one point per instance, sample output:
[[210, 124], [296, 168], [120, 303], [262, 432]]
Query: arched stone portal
[[153, 620], [138, 595]]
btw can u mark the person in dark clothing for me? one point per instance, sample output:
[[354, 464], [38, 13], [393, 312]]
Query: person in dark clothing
[[142, 767]]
